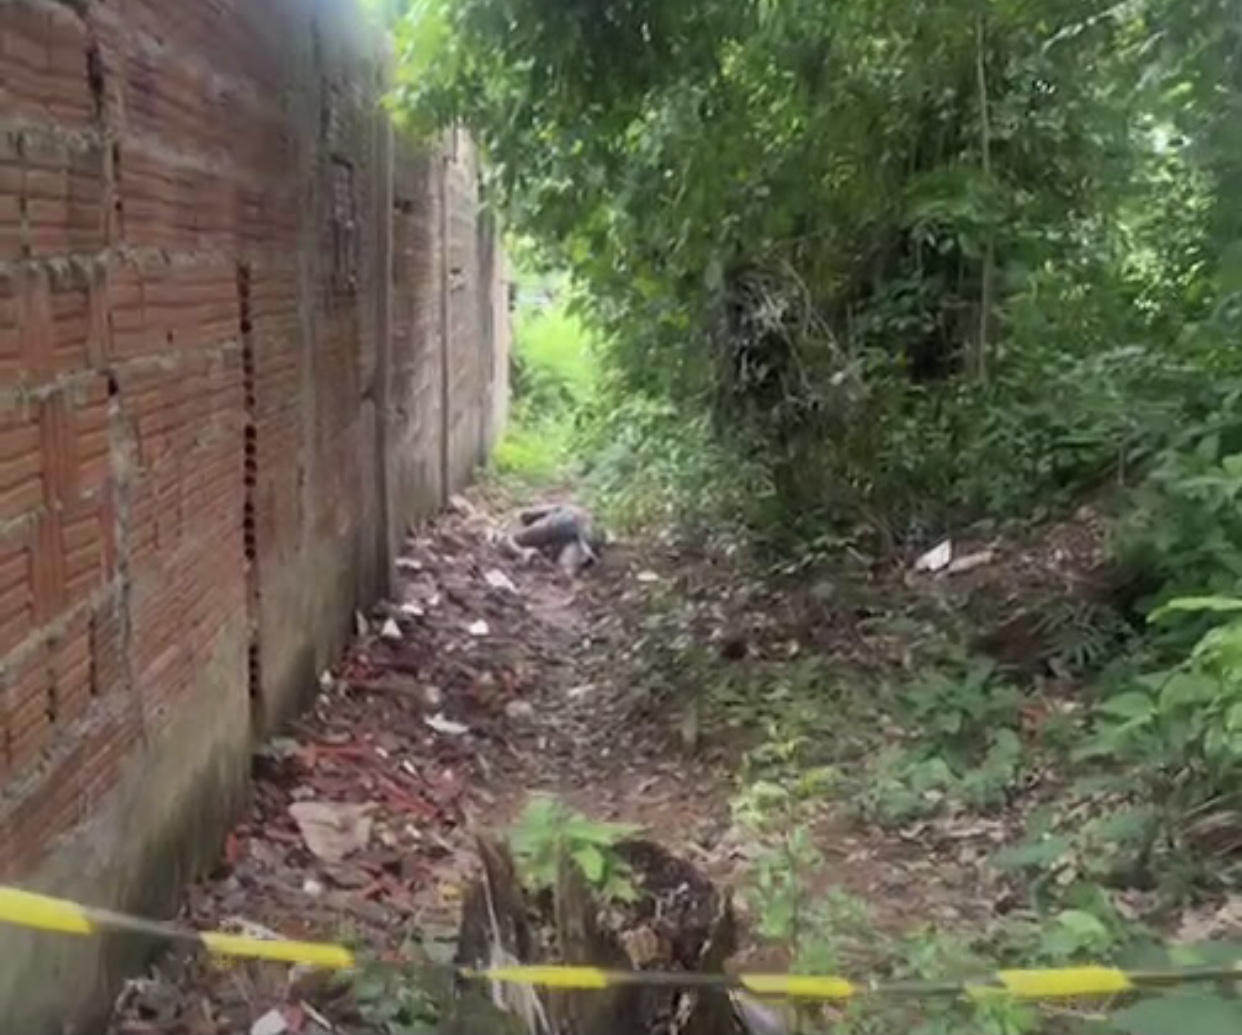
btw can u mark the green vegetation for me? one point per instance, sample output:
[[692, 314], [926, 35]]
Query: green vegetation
[[547, 827], [857, 277], [553, 376]]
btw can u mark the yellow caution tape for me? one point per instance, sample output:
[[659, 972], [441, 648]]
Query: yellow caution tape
[[42, 912], [1064, 982]]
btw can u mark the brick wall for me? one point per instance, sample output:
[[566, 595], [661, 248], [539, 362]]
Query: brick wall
[[246, 335]]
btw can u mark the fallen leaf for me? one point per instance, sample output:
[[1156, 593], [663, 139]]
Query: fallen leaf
[[332, 830]]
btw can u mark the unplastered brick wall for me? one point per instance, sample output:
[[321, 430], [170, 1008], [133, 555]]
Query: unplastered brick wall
[[247, 334]]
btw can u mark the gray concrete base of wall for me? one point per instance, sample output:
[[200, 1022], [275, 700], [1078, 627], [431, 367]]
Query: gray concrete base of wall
[[161, 826]]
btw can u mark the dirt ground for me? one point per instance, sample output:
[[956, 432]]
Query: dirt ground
[[486, 679]]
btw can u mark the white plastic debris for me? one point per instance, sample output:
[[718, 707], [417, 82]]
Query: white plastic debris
[[937, 558], [411, 610], [446, 726], [271, 1023], [497, 579], [390, 630], [479, 628], [971, 561], [647, 576]]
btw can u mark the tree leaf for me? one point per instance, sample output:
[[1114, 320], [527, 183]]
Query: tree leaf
[[592, 861]]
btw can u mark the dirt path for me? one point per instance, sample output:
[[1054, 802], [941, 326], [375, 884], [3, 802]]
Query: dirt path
[[486, 680], [483, 681]]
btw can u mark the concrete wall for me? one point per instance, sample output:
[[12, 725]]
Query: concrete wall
[[246, 335]]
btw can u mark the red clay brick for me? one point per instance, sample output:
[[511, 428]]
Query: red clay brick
[[35, 316], [126, 313], [108, 649], [71, 787], [85, 552], [60, 455], [70, 665], [43, 64], [27, 706], [48, 568], [16, 593], [68, 314], [11, 365], [21, 464], [93, 443]]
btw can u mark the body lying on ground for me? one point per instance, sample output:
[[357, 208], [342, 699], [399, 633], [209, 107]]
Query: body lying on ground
[[562, 532]]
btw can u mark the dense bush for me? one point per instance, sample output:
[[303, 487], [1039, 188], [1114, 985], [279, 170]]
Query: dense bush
[[918, 269]]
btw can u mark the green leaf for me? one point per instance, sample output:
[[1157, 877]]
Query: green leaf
[[1200, 1013], [592, 862], [1188, 688], [1132, 704], [1033, 854], [1082, 925], [1192, 605]]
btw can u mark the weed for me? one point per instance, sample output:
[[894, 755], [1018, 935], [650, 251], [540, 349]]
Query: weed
[[391, 999], [546, 825]]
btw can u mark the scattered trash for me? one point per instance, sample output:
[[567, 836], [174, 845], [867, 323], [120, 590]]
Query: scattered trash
[[970, 561], [937, 558], [332, 830], [271, 1023], [647, 576], [497, 579], [411, 611], [479, 628], [519, 710], [361, 626], [390, 630], [312, 887], [446, 726]]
